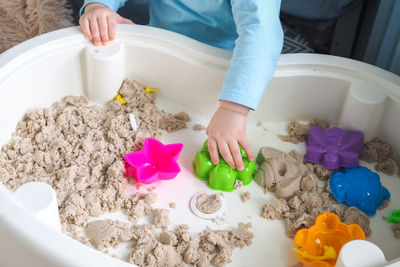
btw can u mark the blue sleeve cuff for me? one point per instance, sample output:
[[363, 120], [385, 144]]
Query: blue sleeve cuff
[[239, 99], [112, 4]]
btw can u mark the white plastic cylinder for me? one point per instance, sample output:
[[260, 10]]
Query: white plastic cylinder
[[40, 200], [363, 109], [359, 253], [105, 71]]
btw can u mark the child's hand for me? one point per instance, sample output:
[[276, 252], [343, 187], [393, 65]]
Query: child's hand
[[99, 23], [225, 131]]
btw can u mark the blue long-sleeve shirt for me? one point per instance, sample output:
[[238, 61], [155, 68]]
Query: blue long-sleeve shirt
[[251, 28]]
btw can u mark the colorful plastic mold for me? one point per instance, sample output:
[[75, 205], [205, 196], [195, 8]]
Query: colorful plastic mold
[[221, 176], [395, 217], [359, 187], [150, 90], [155, 161], [334, 147], [329, 254], [120, 99], [321, 243]]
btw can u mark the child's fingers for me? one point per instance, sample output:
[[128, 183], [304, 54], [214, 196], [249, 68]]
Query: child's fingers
[[84, 22], [213, 150], [94, 28], [112, 28], [235, 152], [226, 153], [125, 21], [103, 29], [247, 148]]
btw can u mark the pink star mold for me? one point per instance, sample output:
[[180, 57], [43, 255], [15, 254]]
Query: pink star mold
[[334, 147], [155, 161]]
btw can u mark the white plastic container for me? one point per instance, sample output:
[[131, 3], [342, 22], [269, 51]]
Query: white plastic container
[[189, 74]]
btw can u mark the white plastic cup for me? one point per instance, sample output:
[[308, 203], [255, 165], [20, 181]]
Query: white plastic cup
[[39, 199], [105, 71]]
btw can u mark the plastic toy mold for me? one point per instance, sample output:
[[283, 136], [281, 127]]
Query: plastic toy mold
[[334, 147], [120, 99], [150, 90], [359, 187], [155, 161], [329, 254], [221, 177], [321, 243], [395, 217]]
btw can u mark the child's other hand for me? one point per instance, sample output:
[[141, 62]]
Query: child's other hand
[[99, 23], [225, 131]]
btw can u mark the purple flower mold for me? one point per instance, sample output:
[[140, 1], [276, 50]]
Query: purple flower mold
[[334, 147]]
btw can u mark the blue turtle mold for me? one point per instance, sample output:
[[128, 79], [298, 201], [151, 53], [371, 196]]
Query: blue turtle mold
[[359, 187]]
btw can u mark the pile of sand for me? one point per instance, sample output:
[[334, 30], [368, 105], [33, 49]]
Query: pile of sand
[[380, 152], [171, 248], [78, 149], [298, 132]]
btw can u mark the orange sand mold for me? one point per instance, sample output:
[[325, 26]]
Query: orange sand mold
[[327, 232]]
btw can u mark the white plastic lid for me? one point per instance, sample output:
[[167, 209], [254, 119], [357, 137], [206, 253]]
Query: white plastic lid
[[218, 215]]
